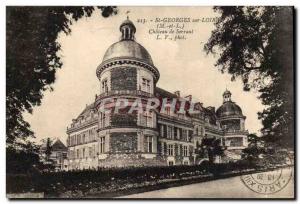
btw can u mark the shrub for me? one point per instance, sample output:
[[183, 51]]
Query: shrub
[[84, 180]]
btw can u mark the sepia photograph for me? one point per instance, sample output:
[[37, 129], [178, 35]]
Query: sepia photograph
[[150, 102]]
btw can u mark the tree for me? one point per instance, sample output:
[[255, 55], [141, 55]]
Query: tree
[[22, 160], [252, 152], [211, 147], [48, 149], [253, 140], [256, 45], [32, 59]]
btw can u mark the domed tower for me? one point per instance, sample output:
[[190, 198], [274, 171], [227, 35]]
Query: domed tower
[[232, 122], [127, 73]]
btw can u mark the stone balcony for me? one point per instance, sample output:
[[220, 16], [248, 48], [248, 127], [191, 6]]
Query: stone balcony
[[123, 93], [236, 132]]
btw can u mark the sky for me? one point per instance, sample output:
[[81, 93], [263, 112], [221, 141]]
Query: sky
[[183, 65]]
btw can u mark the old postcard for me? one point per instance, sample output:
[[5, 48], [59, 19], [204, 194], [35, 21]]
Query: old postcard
[[150, 102]]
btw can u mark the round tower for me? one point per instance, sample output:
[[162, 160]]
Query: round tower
[[126, 73], [232, 122]]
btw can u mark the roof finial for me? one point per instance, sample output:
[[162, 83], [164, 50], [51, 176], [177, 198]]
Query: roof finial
[[127, 12]]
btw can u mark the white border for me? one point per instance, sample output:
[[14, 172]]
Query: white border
[[107, 2]]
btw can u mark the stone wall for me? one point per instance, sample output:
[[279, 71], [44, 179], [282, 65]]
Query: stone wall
[[124, 160], [123, 120], [123, 142], [123, 78]]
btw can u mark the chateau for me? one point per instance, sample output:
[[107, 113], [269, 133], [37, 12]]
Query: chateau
[[117, 139]]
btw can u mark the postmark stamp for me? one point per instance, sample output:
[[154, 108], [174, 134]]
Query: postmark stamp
[[269, 182]]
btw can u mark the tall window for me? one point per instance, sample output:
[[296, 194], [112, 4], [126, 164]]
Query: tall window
[[146, 119], [185, 151], [179, 149], [104, 120], [94, 150], [175, 132], [161, 130], [102, 144], [104, 86], [83, 152], [169, 132], [83, 138], [91, 135], [146, 86], [171, 150], [90, 152], [149, 143], [179, 133], [185, 135], [77, 152]]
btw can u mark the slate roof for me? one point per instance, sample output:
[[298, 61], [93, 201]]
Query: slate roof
[[59, 146]]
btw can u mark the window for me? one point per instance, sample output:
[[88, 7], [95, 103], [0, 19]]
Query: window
[[197, 130], [102, 144], [77, 139], [161, 130], [83, 152], [149, 143], [171, 163], [185, 151], [179, 133], [90, 152], [162, 148], [104, 120], [104, 86], [185, 135], [171, 150], [169, 132], [83, 138], [72, 154], [179, 150], [146, 119], [94, 149], [186, 163], [77, 153], [146, 86]]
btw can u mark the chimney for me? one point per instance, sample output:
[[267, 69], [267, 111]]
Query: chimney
[[189, 97], [177, 93]]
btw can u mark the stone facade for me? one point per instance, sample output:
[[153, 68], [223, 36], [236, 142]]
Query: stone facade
[[123, 78], [118, 139], [124, 143]]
